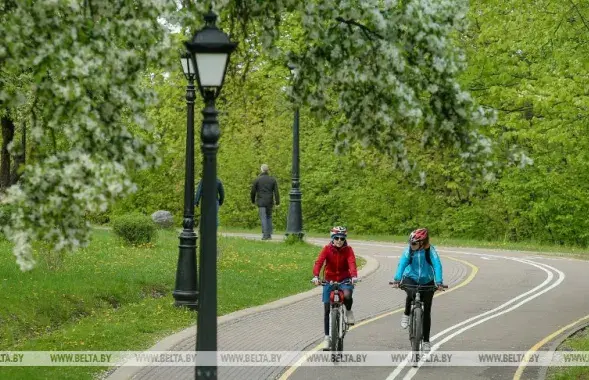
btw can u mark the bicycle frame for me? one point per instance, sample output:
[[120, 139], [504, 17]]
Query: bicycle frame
[[416, 331], [337, 315], [417, 310]]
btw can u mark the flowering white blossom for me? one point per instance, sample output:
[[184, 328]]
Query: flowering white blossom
[[86, 60]]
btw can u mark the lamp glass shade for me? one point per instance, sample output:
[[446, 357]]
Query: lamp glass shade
[[211, 68], [187, 66]]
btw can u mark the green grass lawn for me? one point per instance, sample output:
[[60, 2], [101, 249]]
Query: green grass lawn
[[552, 250], [577, 342], [109, 297]]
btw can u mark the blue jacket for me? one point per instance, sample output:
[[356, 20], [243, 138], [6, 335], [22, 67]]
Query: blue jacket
[[420, 270]]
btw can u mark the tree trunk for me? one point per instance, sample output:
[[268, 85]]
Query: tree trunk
[[7, 136], [20, 158]]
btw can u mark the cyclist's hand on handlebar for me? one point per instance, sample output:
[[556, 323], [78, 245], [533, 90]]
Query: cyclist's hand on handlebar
[[355, 280], [316, 281], [394, 283], [441, 287]]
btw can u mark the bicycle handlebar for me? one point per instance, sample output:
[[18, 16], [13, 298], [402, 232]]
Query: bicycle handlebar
[[323, 282], [419, 287]]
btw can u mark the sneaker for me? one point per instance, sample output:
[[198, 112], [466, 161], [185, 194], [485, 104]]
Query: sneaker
[[326, 343], [404, 321], [426, 347], [350, 317]]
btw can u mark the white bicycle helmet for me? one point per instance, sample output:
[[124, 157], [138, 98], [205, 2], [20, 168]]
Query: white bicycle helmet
[[339, 231]]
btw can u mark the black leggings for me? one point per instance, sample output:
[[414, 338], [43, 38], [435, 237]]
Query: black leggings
[[348, 301], [426, 297]]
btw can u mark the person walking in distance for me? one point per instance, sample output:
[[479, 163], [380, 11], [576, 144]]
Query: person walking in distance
[[220, 196], [265, 195]]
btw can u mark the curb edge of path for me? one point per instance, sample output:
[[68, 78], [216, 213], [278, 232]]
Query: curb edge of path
[[557, 342], [125, 373]]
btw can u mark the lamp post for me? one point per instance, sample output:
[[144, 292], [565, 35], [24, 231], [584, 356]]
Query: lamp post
[[185, 292], [294, 222], [210, 49]]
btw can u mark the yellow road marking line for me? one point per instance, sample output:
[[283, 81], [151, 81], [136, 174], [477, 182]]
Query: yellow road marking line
[[535, 347], [473, 272]]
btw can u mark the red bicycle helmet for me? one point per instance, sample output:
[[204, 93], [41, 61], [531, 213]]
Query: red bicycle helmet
[[419, 235]]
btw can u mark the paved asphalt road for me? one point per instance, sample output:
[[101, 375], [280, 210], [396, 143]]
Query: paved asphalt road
[[514, 300], [499, 300]]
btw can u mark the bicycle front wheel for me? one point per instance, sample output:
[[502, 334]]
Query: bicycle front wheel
[[334, 329], [417, 325]]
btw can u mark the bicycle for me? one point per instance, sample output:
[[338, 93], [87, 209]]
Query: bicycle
[[338, 323], [416, 314]]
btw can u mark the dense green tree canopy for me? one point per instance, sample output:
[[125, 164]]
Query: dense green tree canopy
[[543, 203], [387, 81], [388, 67]]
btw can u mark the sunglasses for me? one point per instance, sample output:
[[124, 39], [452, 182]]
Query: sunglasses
[[339, 238], [415, 244]]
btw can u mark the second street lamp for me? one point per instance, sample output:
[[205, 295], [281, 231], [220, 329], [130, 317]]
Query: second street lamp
[[210, 49], [185, 292], [294, 221]]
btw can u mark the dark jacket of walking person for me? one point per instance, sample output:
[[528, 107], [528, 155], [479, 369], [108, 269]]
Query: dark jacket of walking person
[[265, 195], [220, 196]]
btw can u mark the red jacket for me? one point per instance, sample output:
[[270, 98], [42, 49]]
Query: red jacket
[[340, 263]]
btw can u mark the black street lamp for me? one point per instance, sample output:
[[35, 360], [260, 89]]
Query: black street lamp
[[210, 49], [294, 222], [185, 292]]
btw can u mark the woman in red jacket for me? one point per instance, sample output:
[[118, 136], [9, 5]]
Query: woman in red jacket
[[340, 265]]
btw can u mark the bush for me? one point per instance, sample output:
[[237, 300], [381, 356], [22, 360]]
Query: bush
[[98, 218], [5, 214], [134, 229], [292, 239]]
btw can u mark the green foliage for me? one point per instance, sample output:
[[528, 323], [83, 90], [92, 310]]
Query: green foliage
[[381, 74], [293, 239], [524, 60], [98, 218], [542, 107], [134, 229], [386, 70], [6, 211], [529, 64]]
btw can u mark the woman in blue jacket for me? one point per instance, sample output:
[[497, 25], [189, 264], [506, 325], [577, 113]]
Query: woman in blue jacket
[[419, 264]]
